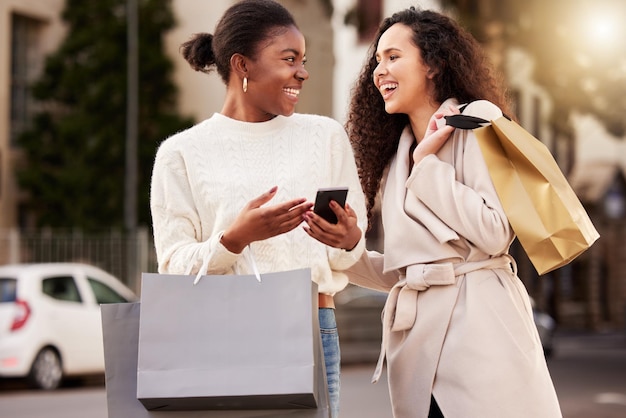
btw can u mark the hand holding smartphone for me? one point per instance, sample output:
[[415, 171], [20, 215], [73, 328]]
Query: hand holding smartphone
[[323, 198]]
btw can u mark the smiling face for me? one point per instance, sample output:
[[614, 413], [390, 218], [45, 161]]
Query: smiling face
[[401, 75], [275, 76]]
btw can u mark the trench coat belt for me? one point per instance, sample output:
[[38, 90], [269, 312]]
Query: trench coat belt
[[400, 309]]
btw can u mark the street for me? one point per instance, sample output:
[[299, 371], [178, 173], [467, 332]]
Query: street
[[589, 372], [590, 375]]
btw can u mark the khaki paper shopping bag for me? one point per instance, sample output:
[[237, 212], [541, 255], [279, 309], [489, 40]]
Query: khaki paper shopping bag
[[550, 222]]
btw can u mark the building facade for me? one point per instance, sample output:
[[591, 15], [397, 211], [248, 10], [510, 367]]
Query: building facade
[[29, 30]]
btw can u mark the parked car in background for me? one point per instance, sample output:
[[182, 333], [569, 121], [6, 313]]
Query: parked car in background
[[50, 323], [546, 326], [358, 313]]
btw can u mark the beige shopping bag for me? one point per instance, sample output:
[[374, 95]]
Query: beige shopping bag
[[543, 210]]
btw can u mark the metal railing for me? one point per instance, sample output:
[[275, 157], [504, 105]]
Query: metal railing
[[123, 254]]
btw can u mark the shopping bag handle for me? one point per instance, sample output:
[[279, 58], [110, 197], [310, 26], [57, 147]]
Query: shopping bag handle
[[462, 121], [465, 121], [247, 254]]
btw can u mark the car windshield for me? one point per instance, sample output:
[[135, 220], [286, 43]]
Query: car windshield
[[8, 289], [104, 294]]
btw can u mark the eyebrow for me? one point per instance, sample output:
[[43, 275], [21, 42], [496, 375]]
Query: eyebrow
[[388, 50], [292, 50]]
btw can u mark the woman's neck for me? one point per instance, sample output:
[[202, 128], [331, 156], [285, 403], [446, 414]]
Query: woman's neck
[[420, 117]]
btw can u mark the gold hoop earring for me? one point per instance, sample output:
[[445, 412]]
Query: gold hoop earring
[[245, 84]]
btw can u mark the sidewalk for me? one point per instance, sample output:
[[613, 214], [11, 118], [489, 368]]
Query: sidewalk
[[568, 340], [588, 369], [359, 397]]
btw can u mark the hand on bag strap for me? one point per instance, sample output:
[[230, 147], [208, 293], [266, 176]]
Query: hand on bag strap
[[462, 121], [247, 254]]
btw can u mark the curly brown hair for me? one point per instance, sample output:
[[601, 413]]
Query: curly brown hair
[[462, 71]]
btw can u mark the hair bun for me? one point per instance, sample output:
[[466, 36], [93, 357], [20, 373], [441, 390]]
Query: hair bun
[[198, 52]]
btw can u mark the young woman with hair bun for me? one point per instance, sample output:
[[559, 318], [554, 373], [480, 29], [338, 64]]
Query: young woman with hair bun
[[240, 184]]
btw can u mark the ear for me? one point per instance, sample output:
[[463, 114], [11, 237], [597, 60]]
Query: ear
[[238, 64], [430, 74]]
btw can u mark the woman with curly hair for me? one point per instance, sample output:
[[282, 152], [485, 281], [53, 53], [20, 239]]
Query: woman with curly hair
[[458, 331]]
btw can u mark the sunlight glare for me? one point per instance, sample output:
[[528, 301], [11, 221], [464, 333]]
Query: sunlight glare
[[601, 29]]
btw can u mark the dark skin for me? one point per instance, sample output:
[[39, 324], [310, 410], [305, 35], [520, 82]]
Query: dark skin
[[274, 78], [344, 234], [256, 222]]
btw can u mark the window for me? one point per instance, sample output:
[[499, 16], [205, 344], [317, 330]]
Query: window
[[516, 103], [26, 62], [8, 289], [366, 15], [104, 294], [61, 288], [537, 105]]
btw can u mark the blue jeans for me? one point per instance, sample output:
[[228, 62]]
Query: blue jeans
[[332, 356]]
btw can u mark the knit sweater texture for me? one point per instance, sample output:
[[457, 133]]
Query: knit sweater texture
[[205, 175]]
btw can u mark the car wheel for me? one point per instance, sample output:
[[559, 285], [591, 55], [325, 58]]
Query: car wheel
[[46, 372]]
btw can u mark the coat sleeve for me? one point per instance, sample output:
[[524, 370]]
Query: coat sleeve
[[368, 272], [344, 172], [471, 207]]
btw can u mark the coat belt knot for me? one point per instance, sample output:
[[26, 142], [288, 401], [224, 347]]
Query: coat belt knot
[[400, 311], [419, 277]]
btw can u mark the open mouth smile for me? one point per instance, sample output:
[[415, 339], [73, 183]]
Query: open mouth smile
[[292, 92], [387, 89]]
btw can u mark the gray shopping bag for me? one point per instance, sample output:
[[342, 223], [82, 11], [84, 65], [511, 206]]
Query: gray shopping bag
[[228, 342], [120, 330]]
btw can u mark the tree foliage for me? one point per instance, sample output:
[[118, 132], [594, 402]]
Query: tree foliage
[[579, 49], [75, 150]]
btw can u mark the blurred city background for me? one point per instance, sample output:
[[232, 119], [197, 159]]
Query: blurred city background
[[89, 89]]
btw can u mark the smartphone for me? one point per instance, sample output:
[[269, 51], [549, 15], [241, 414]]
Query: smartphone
[[323, 198]]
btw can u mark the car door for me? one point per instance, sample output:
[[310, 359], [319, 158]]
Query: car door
[[99, 293], [69, 321], [8, 297]]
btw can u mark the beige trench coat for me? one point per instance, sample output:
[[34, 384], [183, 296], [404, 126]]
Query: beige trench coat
[[458, 321]]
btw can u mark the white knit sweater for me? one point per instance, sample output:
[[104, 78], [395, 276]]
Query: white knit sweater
[[204, 176]]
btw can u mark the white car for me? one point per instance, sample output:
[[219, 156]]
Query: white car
[[50, 323]]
